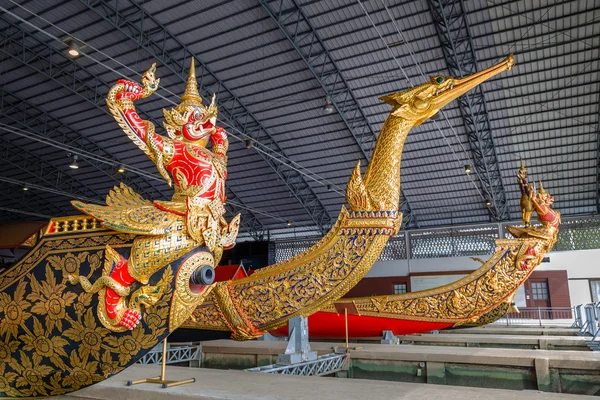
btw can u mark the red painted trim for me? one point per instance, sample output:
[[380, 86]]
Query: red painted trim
[[332, 326]]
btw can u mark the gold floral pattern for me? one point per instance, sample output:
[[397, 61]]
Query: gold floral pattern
[[44, 345], [69, 263], [88, 334], [6, 380], [130, 345], [51, 341], [13, 311], [83, 372], [30, 380], [50, 299]]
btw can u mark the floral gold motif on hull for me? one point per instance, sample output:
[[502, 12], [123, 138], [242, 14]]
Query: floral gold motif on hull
[[51, 341]]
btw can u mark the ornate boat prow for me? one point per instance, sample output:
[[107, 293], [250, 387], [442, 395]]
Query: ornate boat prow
[[55, 333], [267, 299]]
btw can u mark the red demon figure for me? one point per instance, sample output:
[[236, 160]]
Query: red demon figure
[[192, 218]]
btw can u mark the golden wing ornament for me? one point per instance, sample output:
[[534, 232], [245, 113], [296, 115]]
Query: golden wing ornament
[[126, 211]]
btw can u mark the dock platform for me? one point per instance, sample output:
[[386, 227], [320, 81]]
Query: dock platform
[[576, 372], [240, 385]]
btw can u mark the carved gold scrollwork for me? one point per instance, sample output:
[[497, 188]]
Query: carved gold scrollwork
[[185, 297]]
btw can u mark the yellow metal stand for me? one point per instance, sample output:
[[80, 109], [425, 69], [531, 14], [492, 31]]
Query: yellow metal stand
[[353, 309], [161, 379]]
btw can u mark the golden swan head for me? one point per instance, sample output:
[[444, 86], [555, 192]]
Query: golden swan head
[[419, 103]]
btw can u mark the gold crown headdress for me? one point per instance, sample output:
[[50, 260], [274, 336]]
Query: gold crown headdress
[[191, 96], [190, 101], [542, 192]]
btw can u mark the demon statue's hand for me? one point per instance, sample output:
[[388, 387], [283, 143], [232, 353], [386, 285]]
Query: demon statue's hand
[[130, 319]]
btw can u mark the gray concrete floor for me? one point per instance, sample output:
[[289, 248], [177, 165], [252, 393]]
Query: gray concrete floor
[[240, 385]]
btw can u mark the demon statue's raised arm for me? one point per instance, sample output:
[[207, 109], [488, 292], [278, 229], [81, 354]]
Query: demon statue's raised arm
[[192, 222]]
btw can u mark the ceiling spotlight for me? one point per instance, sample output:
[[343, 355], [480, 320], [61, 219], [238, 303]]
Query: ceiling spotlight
[[74, 164], [25, 188], [328, 107], [74, 48], [488, 202], [121, 169], [289, 223], [467, 168], [249, 143]]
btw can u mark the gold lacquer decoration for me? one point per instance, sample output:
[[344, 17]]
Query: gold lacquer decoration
[[98, 291], [488, 293], [186, 296], [51, 340], [314, 279]]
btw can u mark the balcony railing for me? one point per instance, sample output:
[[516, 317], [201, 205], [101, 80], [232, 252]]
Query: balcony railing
[[540, 316]]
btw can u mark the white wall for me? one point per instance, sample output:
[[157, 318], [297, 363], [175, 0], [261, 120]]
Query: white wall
[[431, 281], [404, 267], [581, 265]]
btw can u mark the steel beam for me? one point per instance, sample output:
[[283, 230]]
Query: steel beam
[[41, 172], [306, 41], [155, 38], [33, 52], [454, 33], [598, 152], [25, 115], [16, 200]]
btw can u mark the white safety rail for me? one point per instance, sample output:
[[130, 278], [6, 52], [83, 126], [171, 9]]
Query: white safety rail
[[540, 316], [175, 354], [323, 365], [586, 319]]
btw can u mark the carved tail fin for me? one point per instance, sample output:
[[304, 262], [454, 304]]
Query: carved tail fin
[[357, 195]]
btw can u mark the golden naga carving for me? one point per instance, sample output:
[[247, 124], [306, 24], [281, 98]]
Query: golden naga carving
[[264, 301]]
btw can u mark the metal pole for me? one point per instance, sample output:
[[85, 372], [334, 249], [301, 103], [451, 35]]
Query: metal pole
[[346, 321], [540, 315], [163, 368]]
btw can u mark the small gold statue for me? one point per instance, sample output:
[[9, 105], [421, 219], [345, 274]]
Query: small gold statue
[[542, 204], [526, 191]]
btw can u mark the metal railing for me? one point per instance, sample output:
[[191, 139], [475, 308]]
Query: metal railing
[[324, 365], [175, 354], [575, 233], [540, 316]]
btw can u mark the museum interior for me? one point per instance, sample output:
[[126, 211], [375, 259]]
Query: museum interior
[[300, 199]]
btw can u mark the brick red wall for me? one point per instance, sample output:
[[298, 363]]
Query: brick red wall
[[377, 286], [558, 287]]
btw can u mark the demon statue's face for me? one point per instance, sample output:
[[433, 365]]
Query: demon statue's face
[[193, 123], [200, 124]]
